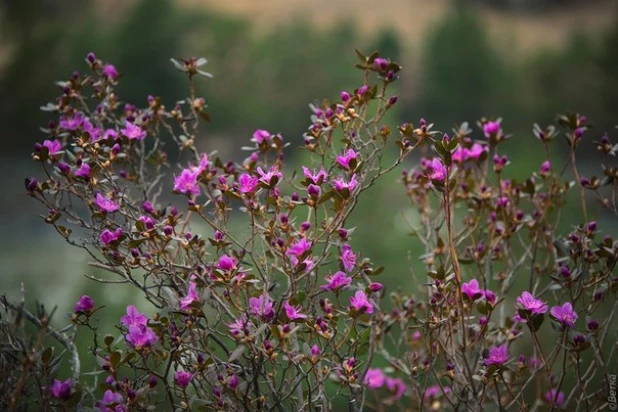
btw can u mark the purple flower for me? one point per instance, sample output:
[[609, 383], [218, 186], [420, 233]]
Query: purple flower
[[72, 123], [360, 303], [550, 397], [380, 63], [110, 398], [110, 71], [186, 183], [105, 204], [240, 326], [83, 171], [293, 312], [141, 336], [108, 236], [260, 136], [227, 263], [133, 317], [472, 290], [375, 286], [336, 281], [232, 382], [270, 178], [545, 167], [340, 184], [530, 303], [262, 307], [362, 90], [374, 378], [248, 183], [191, 297], [132, 131], [84, 304], [348, 258], [438, 170], [93, 132], [110, 133], [298, 249], [497, 355], [315, 351], [61, 389], [490, 297], [491, 128], [564, 314], [315, 178], [182, 378], [460, 154], [346, 158], [54, 147], [475, 151], [396, 386], [345, 96]]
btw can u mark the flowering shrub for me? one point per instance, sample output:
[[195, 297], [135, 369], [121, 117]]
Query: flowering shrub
[[284, 314]]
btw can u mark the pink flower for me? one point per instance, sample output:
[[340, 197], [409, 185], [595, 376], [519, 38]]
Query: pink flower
[[191, 297], [110, 133], [108, 236], [545, 167], [564, 314], [530, 303], [186, 183], [182, 378], [340, 184], [111, 402], [260, 136], [299, 248], [553, 395], [360, 303], [61, 389], [105, 204], [262, 307], [396, 386], [490, 297], [141, 336], [83, 171], [72, 123], [110, 71], [374, 378], [227, 263], [438, 170], [315, 178], [248, 183], [293, 312], [475, 151], [472, 290], [54, 147], [497, 355], [84, 304], [133, 317], [240, 327], [336, 281], [132, 131], [460, 155], [380, 63], [346, 158], [491, 128], [348, 258], [199, 169], [270, 178]]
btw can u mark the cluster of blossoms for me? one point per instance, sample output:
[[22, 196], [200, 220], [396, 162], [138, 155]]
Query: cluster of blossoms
[[285, 313]]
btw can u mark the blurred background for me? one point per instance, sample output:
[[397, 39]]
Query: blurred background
[[524, 60]]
